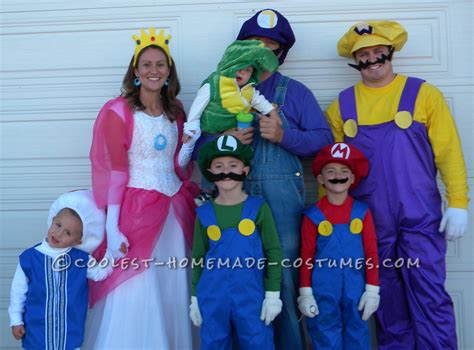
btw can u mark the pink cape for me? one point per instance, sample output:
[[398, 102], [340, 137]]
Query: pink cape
[[143, 212]]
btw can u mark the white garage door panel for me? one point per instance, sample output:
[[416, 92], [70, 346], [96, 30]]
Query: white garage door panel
[[460, 101], [460, 287], [318, 34], [62, 60], [63, 138]]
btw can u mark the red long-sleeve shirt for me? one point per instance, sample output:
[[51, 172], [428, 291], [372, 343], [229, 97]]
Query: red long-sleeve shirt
[[338, 214]]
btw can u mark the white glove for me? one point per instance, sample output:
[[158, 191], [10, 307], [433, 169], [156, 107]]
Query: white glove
[[369, 301], [191, 128], [115, 238], [194, 312], [307, 303], [271, 307], [454, 223], [187, 148]]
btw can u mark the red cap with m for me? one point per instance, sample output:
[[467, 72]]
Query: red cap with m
[[342, 153]]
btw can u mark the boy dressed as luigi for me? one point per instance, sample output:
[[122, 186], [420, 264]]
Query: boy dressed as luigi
[[339, 278], [237, 256]]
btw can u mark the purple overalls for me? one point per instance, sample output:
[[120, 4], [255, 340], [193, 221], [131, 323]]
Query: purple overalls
[[415, 310]]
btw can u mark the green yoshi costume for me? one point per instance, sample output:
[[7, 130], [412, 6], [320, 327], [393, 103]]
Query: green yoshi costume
[[226, 99]]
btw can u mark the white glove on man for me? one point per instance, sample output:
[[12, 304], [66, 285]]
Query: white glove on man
[[271, 307], [369, 301], [454, 223], [117, 243], [306, 302], [194, 312]]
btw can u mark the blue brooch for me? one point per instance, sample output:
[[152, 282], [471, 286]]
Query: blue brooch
[[160, 142]]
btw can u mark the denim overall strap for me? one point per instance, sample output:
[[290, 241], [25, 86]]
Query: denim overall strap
[[280, 95]]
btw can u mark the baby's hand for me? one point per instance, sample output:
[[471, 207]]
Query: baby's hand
[[185, 138], [18, 331]]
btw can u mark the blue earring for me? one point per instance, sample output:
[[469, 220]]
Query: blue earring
[[167, 81], [137, 82]]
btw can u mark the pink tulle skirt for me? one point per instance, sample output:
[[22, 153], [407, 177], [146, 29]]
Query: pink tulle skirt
[[149, 310], [143, 214]]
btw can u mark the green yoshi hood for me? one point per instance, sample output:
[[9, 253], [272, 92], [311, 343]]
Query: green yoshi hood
[[243, 53]]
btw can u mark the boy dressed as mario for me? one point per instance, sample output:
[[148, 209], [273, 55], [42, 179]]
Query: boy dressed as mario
[[339, 280]]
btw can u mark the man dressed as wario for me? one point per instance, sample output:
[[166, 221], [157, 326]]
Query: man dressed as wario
[[405, 128]]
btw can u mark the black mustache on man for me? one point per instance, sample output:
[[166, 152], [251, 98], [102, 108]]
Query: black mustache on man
[[367, 64]]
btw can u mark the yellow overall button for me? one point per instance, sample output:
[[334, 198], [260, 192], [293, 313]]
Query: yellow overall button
[[403, 119], [356, 226], [246, 227], [325, 228], [214, 232], [350, 128]]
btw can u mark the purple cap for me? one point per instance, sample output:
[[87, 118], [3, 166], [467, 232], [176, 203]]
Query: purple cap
[[270, 24]]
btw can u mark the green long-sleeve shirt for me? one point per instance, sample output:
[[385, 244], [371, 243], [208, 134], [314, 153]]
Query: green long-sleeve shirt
[[228, 216]]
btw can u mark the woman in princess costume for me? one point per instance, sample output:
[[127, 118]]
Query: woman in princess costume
[[140, 173]]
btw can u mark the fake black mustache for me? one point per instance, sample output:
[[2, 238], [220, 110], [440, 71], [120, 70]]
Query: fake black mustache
[[380, 60], [339, 181], [222, 176]]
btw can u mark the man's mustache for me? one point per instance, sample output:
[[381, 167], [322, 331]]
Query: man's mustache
[[222, 176], [367, 64]]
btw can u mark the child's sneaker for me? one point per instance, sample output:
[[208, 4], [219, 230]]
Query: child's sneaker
[[203, 198]]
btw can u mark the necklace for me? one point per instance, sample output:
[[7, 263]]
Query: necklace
[[148, 111], [159, 141]]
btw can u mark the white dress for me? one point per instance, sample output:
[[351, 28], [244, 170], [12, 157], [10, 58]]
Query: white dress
[[150, 310]]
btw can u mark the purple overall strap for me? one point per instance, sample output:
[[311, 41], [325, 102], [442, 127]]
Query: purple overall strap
[[409, 94], [347, 104]]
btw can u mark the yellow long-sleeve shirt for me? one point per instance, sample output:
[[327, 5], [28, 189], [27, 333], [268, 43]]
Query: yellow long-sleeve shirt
[[379, 105]]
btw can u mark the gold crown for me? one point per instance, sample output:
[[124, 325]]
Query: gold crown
[[145, 40]]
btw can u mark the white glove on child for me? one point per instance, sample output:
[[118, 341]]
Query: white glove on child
[[369, 301], [191, 128], [271, 307], [454, 223], [306, 302], [117, 243], [187, 148], [194, 312]]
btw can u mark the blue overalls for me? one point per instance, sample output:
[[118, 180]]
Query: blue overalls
[[56, 303], [415, 310], [338, 282], [277, 176], [231, 294]]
